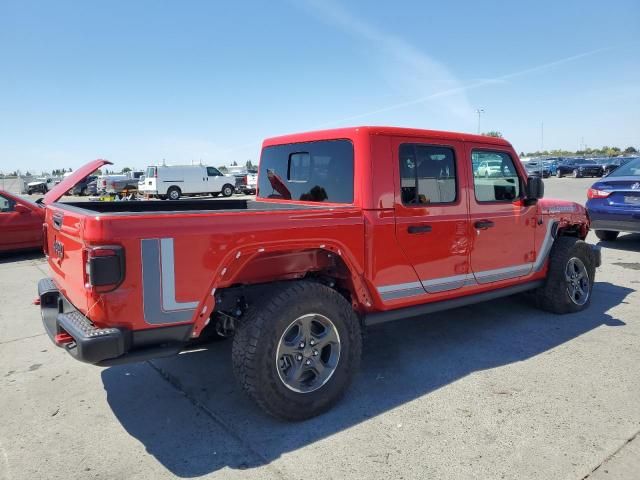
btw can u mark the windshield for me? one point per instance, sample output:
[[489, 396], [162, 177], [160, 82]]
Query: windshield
[[629, 169]]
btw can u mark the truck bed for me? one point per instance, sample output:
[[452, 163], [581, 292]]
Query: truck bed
[[179, 206]]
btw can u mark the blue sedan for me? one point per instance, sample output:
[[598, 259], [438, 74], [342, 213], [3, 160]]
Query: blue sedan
[[614, 202]]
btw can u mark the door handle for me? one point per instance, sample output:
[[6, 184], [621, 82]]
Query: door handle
[[483, 224], [419, 228]]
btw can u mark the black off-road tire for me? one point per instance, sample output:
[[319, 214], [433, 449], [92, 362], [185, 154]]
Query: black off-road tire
[[553, 296], [256, 340], [607, 235]]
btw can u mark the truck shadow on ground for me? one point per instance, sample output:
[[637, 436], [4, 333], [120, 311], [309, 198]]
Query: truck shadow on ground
[[24, 255], [200, 421], [625, 242]]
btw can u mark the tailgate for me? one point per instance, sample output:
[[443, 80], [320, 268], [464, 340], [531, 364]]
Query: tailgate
[[64, 246]]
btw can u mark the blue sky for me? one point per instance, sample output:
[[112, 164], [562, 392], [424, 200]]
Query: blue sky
[[139, 81]]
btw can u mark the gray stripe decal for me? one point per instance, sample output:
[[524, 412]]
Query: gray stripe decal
[[158, 285], [488, 276], [169, 278], [547, 243], [399, 286], [411, 292], [447, 283]]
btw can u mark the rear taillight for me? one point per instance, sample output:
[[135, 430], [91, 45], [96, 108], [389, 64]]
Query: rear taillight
[[104, 267], [595, 193], [245, 180]]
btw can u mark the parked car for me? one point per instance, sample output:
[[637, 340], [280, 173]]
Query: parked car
[[174, 181], [82, 188], [351, 227], [20, 223], [489, 168], [125, 186], [614, 202], [552, 164], [41, 185], [579, 167], [537, 168], [610, 164]]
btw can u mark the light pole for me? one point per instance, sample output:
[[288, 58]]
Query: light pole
[[479, 111]]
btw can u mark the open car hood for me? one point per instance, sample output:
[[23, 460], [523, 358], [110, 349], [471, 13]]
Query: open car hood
[[69, 182]]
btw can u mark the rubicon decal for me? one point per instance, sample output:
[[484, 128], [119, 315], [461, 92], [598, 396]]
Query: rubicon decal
[[159, 284]]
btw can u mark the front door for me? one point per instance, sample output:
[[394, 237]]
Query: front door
[[502, 226], [432, 221]]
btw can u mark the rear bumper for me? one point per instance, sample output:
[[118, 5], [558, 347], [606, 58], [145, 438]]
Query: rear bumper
[[616, 225], [70, 329]]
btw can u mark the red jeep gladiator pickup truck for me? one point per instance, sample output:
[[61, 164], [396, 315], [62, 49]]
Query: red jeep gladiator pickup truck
[[351, 227]]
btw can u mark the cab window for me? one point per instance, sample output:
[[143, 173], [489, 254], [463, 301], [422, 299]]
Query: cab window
[[213, 172], [6, 204], [427, 174], [496, 178]]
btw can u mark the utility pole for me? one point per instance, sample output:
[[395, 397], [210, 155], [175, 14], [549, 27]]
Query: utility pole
[[542, 136], [479, 111]]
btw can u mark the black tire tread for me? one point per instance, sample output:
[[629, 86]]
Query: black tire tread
[[553, 297], [252, 330]]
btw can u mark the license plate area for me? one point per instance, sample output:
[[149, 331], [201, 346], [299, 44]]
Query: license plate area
[[633, 200]]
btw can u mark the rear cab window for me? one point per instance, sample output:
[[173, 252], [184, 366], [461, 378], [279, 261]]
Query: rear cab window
[[319, 171], [428, 174]]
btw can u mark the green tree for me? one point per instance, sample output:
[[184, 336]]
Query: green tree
[[249, 165], [223, 169], [126, 170], [234, 164], [630, 150], [493, 133]]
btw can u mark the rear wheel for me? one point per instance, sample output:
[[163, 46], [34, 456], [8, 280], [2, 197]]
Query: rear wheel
[[297, 350], [570, 277], [607, 235], [173, 193], [558, 174], [227, 190]]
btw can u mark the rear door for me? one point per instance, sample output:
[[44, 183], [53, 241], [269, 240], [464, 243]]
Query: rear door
[[503, 228], [432, 220]]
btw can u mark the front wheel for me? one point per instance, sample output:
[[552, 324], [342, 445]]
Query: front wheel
[[297, 350], [576, 173], [227, 190], [607, 235], [570, 278], [558, 174]]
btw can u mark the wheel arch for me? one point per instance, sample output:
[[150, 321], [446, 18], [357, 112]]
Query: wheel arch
[[251, 271]]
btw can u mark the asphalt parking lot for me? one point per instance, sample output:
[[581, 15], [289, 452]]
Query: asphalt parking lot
[[496, 390]]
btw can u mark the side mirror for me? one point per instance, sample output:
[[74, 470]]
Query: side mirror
[[534, 189], [21, 208]]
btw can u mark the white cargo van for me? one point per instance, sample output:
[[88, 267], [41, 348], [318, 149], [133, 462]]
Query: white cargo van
[[173, 181]]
